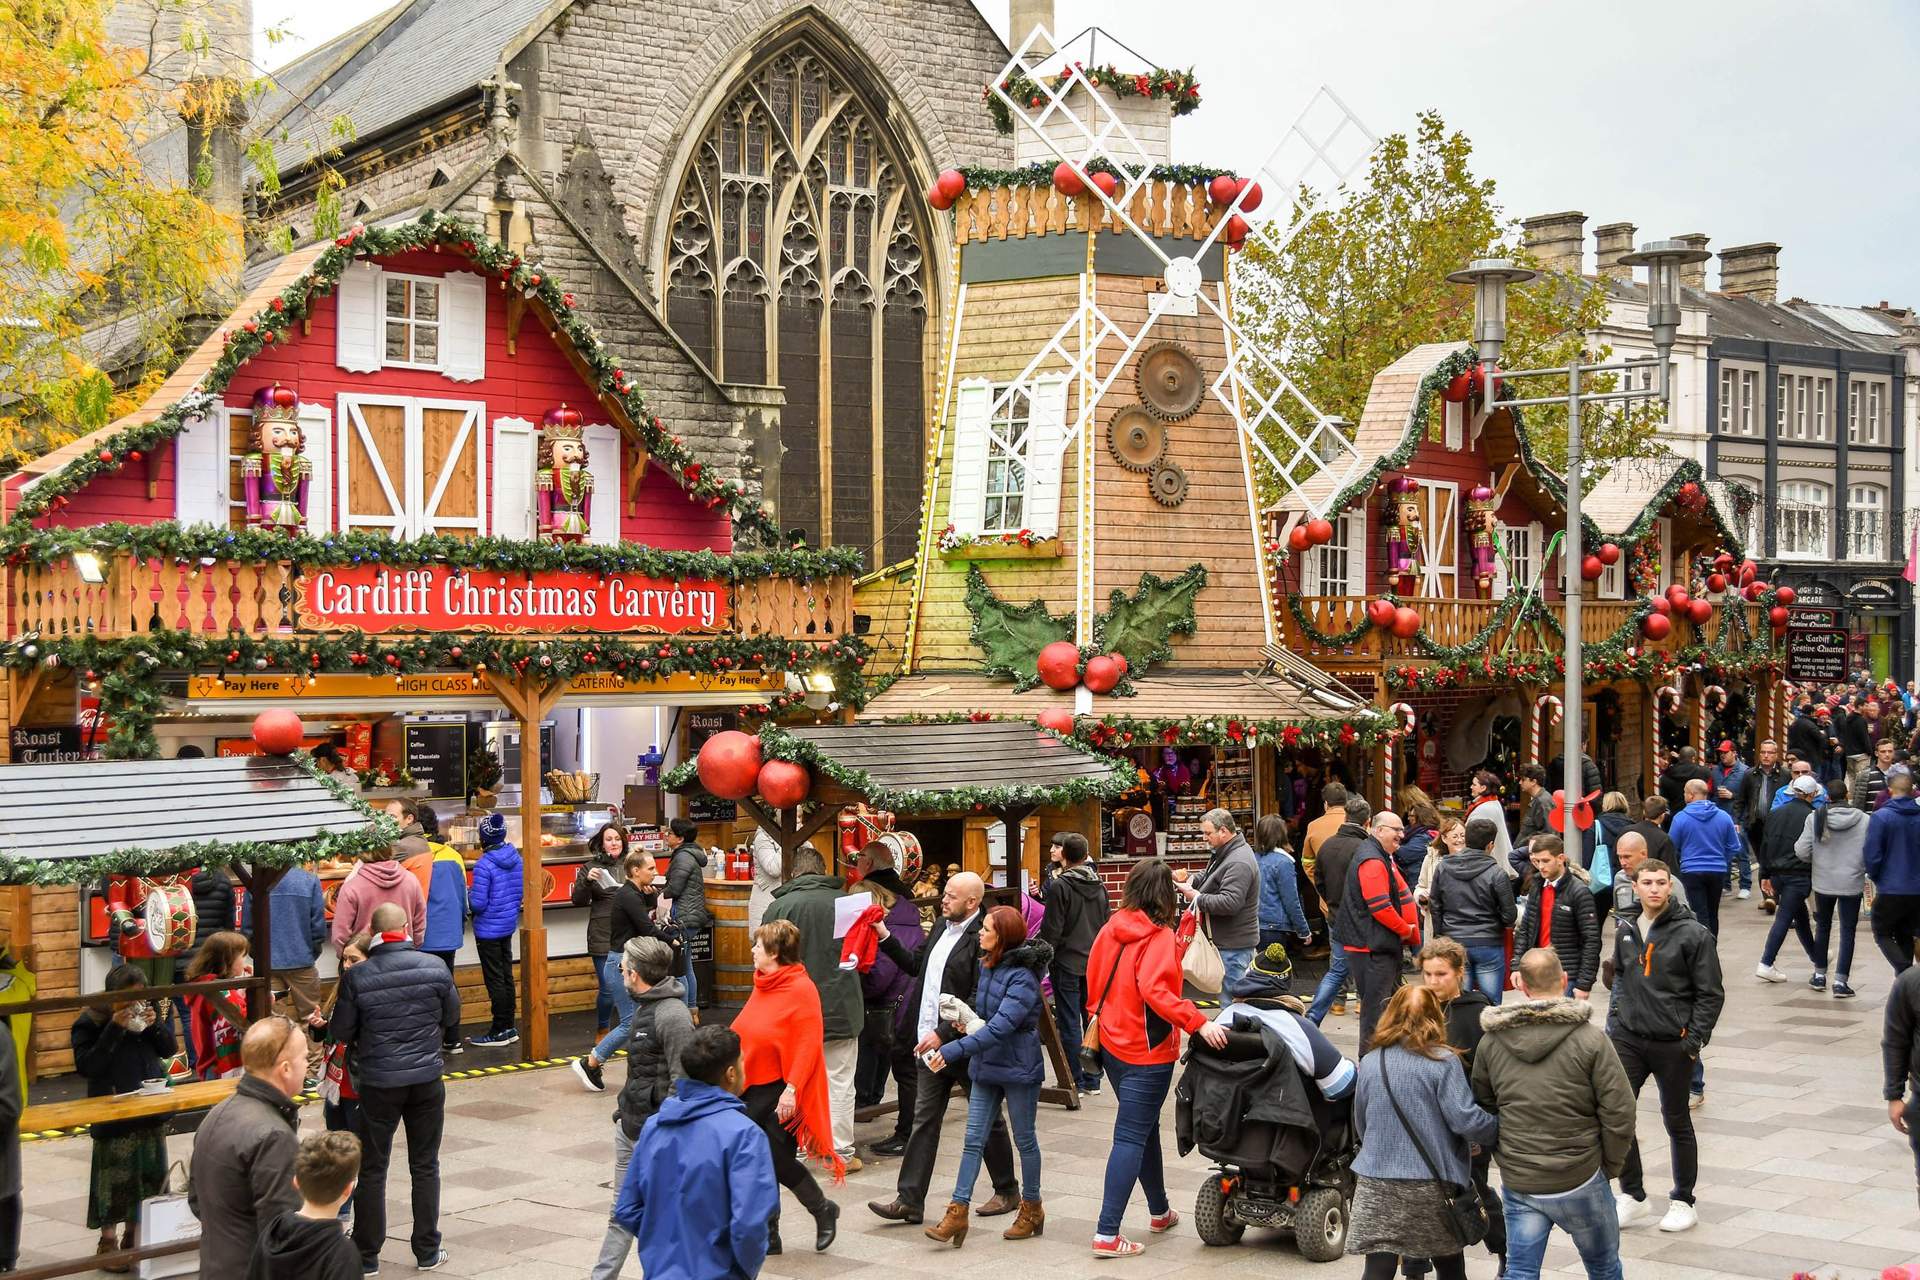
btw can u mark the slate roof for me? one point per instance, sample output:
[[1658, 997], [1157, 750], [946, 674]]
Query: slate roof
[[901, 759]]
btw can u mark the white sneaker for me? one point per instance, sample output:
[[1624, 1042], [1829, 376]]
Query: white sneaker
[[1680, 1217], [1767, 973], [1745, 893], [1629, 1210]]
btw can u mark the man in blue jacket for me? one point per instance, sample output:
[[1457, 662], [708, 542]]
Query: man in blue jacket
[[297, 910], [1709, 845], [699, 1189], [1893, 861]]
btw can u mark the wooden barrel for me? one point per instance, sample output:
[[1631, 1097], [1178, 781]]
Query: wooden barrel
[[732, 948]]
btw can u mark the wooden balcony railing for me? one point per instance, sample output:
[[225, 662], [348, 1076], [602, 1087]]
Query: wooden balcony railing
[[257, 599], [1162, 208], [1455, 622]]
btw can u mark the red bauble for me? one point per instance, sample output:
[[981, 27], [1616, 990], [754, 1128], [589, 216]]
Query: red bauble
[[1716, 583], [284, 396], [1252, 189], [1660, 605], [1101, 675], [1778, 616], [1724, 562], [1701, 611], [1748, 572], [1752, 591], [951, 183], [1609, 553], [1297, 538], [1119, 660], [1458, 389], [1058, 719], [1380, 612], [937, 201], [783, 784], [1235, 233], [1656, 626], [1059, 665], [278, 731], [1591, 568], [1222, 189], [1320, 532], [1784, 595], [106, 455], [1108, 184], [1406, 622], [1066, 181], [729, 764], [1477, 377]]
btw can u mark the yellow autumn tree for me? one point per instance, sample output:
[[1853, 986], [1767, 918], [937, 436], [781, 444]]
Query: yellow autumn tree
[[107, 245]]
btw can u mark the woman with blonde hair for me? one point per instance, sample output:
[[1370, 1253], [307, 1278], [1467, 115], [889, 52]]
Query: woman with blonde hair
[[1416, 1118]]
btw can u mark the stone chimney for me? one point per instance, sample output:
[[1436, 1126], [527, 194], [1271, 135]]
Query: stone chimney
[[1751, 271], [1026, 15], [215, 114], [1557, 241], [1610, 244], [1694, 274]]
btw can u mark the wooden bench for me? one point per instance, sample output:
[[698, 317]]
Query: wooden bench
[[195, 1096]]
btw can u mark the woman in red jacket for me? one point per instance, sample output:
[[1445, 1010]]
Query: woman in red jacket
[[1133, 987]]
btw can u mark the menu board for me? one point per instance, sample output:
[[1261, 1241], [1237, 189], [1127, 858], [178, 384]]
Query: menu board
[[702, 725], [437, 758]]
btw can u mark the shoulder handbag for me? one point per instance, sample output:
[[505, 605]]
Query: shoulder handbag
[[1090, 1038], [1201, 965], [1465, 1214]]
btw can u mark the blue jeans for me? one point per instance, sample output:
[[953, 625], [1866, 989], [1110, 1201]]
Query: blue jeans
[[1487, 971], [1236, 961], [1070, 1012], [1792, 893], [1140, 1092], [1586, 1214], [605, 1012], [1023, 1105], [1745, 864], [686, 955], [613, 990], [1333, 984]]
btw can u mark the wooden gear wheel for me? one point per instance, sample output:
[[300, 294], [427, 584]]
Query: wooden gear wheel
[[1168, 484], [1136, 438], [1169, 380]]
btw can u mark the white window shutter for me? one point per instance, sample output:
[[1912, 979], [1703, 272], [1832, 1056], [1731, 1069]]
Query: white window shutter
[[1357, 550], [1046, 441], [463, 326], [972, 403], [200, 479], [1503, 550], [1613, 581], [1454, 417], [359, 319], [317, 424], [513, 466], [603, 460]]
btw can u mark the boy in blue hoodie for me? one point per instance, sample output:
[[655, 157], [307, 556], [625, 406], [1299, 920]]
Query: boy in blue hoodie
[[498, 888], [700, 1190], [447, 909]]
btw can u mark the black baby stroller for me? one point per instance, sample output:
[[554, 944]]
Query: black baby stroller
[[1283, 1152]]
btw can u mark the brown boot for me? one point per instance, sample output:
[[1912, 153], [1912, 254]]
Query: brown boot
[[951, 1227], [1001, 1203], [1031, 1221]]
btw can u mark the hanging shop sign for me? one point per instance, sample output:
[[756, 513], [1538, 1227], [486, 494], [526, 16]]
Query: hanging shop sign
[[378, 599], [1872, 591], [1816, 657], [1816, 617], [457, 684]]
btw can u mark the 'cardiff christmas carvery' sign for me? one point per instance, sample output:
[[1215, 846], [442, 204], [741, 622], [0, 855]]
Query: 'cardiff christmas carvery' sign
[[377, 599]]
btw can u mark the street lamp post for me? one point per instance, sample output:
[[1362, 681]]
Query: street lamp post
[[1490, 278]]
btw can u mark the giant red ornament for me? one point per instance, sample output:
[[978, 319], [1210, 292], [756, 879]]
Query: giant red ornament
[[1458, 389], [783, 783], [1406, 622], [1591, 568], [1380, 612], [1101, 675], [1297, 538], [1656, 626], [1701, 611], [1107, 183], [1067, 181], [951, 183], [1659, 605], [729, 764], [1784, 595], [1753, 591], [1724, 562], [1059, 665], [1748, 572], [1221, 190], [1058, 719], [1609, 553], [1778, 616], [1236, 231], [1716, 583], [278, 731], [1252, 189], [1320, 532]]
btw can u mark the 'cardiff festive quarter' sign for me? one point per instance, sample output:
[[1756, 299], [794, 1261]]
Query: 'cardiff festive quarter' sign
[[377, 599]]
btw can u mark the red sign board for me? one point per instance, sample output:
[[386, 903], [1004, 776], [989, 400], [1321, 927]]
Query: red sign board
[[381, 598]]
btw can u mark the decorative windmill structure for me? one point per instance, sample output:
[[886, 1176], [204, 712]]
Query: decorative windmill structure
[[1103, 417]]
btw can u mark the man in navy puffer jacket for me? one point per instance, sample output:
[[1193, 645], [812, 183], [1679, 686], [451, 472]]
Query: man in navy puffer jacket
[[394, 1009], [1893, 861]]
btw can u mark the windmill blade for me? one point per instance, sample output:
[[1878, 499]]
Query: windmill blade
[[1324, 146], [1077, 138]]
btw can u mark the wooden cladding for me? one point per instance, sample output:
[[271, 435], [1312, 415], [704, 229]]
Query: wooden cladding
[[1160, 208]]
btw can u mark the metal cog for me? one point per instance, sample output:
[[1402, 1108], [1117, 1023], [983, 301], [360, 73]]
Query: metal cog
[[1168, 376], [1168, 484], [1136, 438]]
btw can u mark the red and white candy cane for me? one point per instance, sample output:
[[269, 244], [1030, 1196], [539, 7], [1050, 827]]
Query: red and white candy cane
[[1554, 711], [1666, 700], [1390, 749]]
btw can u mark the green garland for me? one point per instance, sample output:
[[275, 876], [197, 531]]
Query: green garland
[[1040, 174], [1118, 732], [277, 855], [128, 670], [274, 323], [23, 543], [1178, 87]]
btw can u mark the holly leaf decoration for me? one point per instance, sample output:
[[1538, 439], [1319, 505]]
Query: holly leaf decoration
[[1141, 627], [1011, 638]]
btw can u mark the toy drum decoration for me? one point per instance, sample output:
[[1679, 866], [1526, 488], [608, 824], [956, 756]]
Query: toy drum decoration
[[170, 919], [907, 854]]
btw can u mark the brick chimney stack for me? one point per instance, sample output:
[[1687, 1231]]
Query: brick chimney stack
[[1557, 241], [1751, 271], [1694, 274], [1610, 244], [1026, 15]]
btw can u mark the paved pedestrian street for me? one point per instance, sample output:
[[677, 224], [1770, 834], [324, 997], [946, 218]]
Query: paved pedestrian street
[[1799, 1170]]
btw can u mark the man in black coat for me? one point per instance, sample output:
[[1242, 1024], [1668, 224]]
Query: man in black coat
[[1755, 802], [1560, 915], [1076, 908], [1685, 768], [393, 1013], [1900, 1059], [947, 963], [1808, 738], [1653, 829]]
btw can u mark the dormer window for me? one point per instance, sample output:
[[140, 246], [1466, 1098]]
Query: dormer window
[[400, 320], [412, 321]]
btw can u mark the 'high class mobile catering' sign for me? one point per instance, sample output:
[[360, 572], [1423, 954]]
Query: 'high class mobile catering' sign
[[378, 598]]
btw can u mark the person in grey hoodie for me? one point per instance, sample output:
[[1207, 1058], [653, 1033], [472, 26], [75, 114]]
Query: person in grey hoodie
[[683, 893], [1835, 842], [1227, 895], [1472, 903]]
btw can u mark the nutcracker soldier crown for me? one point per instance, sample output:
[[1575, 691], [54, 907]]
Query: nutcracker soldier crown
[[275, 404]]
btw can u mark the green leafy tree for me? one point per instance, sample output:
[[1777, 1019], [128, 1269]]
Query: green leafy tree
[[1364, 281]]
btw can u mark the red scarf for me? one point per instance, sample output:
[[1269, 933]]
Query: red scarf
[[782, 1037]]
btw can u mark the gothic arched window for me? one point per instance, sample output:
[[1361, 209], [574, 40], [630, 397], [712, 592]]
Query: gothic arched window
[[796, 256]]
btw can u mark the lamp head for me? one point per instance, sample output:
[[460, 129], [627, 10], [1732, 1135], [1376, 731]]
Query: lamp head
[[1490, 278], [1663, 260]]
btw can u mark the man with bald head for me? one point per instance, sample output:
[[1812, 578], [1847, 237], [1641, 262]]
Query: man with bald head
[[947, 963], [395, 1010], [242, 1170], [1631, 851]]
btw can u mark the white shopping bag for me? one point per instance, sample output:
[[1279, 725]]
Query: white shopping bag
[[164, 1220]]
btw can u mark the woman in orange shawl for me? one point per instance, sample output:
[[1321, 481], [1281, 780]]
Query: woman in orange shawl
[[783, 1050]]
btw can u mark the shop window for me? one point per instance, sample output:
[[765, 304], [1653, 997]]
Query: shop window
[[1739, 395], [1519, 569], [1339, 567], [1866, 411]]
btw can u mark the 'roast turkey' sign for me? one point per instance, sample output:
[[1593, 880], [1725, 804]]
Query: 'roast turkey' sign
[[379, 598]]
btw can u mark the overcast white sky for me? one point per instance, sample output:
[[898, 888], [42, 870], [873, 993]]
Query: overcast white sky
[[1745, 119]]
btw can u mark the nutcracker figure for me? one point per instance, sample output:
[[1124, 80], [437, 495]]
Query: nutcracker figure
[[565, 486], [277, 474], [1403, 532], [1480, 531], [151, 921]]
